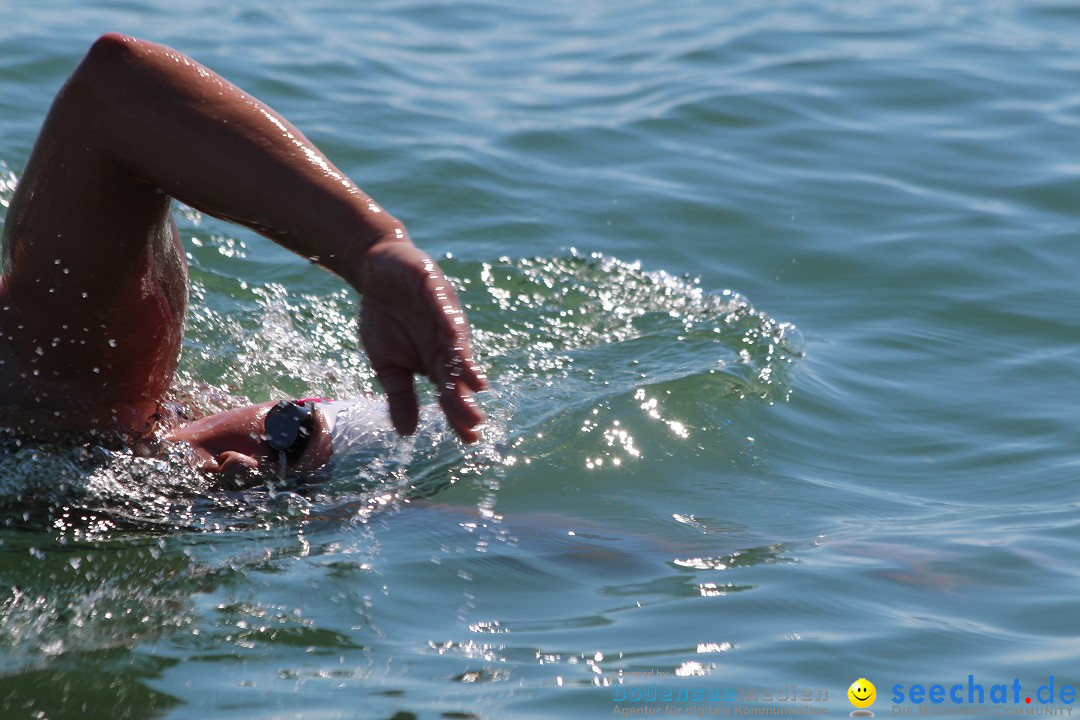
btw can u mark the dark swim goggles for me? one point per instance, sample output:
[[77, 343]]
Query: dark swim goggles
[[288, 428]]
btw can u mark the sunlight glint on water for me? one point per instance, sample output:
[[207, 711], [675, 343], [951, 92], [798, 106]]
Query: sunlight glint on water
[[676, 489]]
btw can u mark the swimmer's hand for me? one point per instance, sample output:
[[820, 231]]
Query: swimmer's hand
[[411, 323]]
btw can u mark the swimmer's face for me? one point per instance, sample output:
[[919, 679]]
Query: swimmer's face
[[862, 693], [232, 442]]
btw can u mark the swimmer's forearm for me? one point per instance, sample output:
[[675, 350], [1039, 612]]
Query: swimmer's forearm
[[177, 125]]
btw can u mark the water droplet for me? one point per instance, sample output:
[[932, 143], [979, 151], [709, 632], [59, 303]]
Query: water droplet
[[112, 342]]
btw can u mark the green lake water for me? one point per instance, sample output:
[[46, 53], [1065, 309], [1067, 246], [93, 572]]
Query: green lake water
[[778, 303]]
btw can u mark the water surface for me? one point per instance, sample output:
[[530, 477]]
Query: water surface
[[777, 302]]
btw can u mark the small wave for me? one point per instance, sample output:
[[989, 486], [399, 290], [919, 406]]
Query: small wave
[[545, 306]]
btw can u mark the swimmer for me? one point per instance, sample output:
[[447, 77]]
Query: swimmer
[[95, 285]]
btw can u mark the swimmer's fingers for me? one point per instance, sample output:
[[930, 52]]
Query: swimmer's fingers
[[400, 393], [473, 378], [231, 462], [466, 371], [455, 375], [448, 359], [456, 399]]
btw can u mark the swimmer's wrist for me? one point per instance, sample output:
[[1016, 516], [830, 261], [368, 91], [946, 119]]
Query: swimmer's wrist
[[358, 259]]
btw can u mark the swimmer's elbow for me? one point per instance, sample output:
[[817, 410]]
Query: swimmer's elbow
[[112, 66], [110, 48]]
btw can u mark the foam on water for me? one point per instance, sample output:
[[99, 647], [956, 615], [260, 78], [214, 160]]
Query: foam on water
[[560, 336]]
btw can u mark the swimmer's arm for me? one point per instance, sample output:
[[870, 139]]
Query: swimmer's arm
[[184, 129]]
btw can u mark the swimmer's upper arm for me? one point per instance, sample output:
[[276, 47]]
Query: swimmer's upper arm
[[201, 139]]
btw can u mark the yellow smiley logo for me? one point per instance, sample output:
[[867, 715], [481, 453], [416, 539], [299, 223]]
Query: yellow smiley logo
[[862, 693]]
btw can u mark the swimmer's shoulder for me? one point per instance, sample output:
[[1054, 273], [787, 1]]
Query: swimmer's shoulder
[[121, 425], [40, 408], [17, 384]]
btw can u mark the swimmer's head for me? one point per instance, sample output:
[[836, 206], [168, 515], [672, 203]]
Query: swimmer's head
[[240, 440]]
